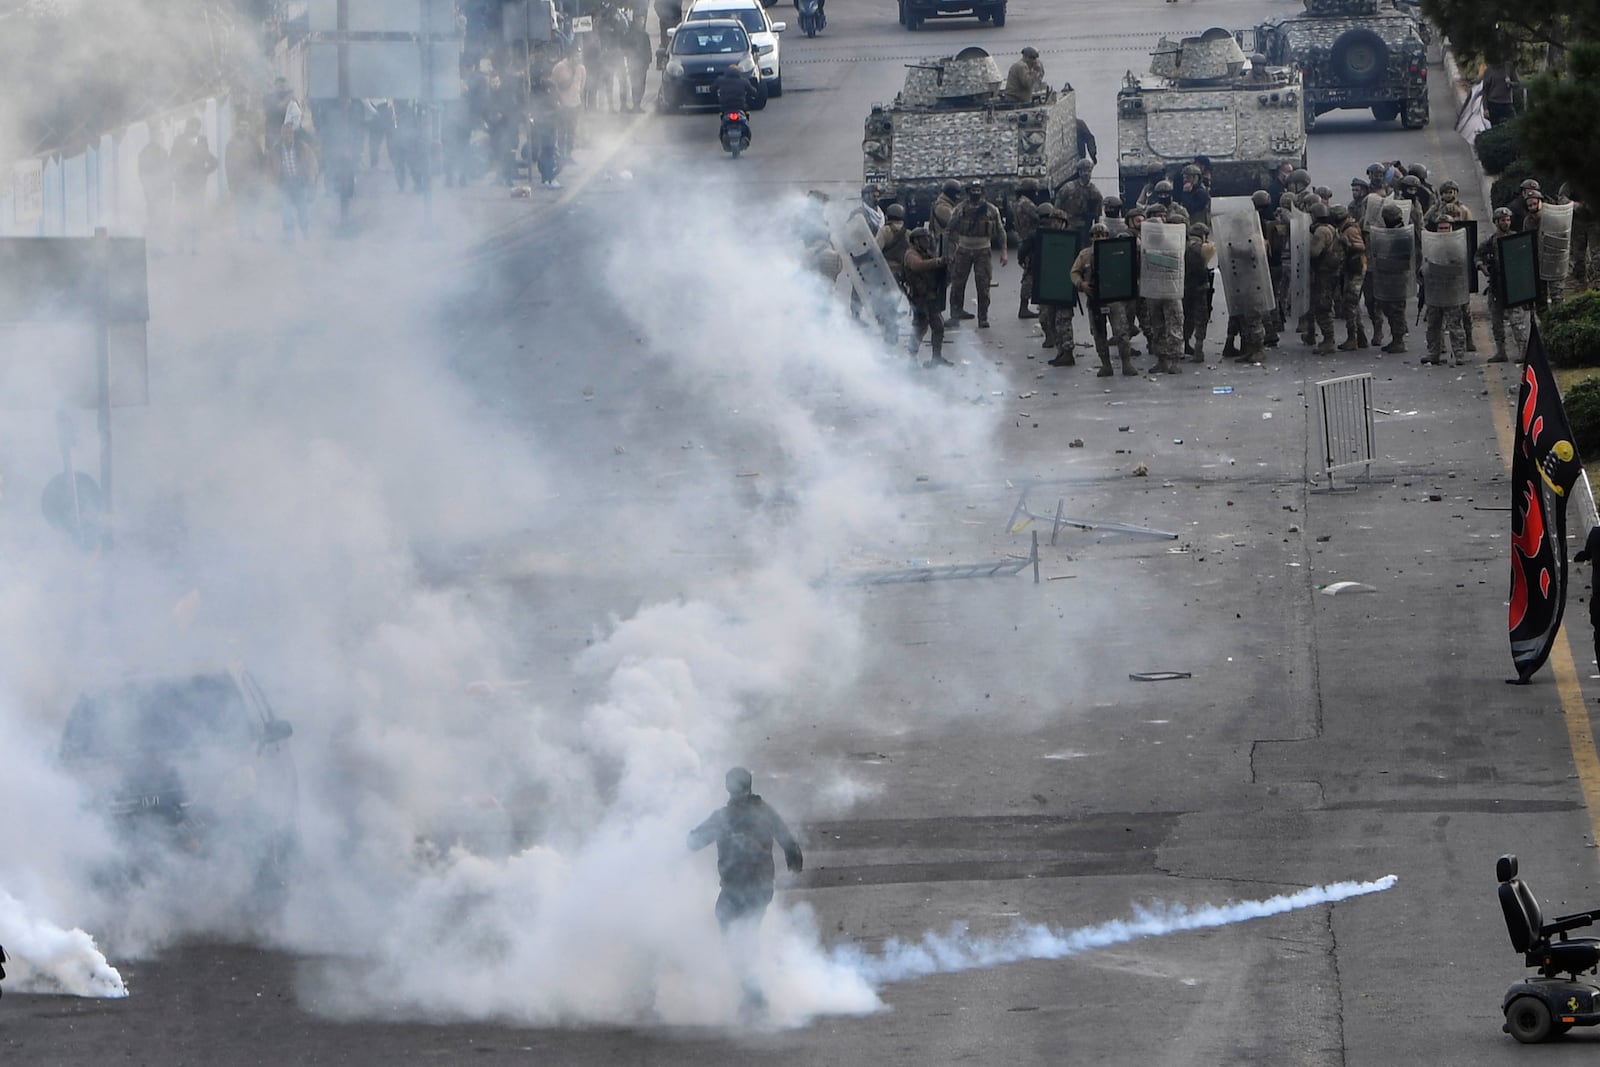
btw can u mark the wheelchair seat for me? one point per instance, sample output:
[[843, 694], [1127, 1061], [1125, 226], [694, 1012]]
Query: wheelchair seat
[[1532, 936]]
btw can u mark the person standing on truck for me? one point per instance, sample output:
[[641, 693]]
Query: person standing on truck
[[1025, 79]]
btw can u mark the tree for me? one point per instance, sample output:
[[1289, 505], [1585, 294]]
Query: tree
[[1560, 132], [1494, 30]]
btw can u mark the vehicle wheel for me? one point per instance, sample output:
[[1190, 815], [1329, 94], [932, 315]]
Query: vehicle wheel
[[811, 29], [902, 6], [1415, 114], [736, 147], [1386, 112], [1528, 1020], [999, 15], [761, 98], [777, 86], [1359, 57], [913, 22], [983, 18]]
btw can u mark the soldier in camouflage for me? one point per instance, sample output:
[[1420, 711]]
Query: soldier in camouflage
[[1083, 276], [1157, 192], [1199, 289], [1025, 79], [1449, 199], [1519, 206], [1360, 189], [1393, 311], [894, 238], [922, 274], [1327, 260], [974, 225], [1551, 290], [1352, 275], [1425, 192], [1275, 232], [1194, 195], [1113, 215], [1375, 179], [1025, 216], [1247, 334], [944, 205], [1446, 320], [1489, 262], [1079, 201], [1054, 319]]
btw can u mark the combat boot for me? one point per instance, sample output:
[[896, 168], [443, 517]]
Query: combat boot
[[1229, 349], [1128, 369], [1251, 355], [1350, 344], [1174, 365], [1361, 336], [1395, 346], [1064, 359], [1324, 347], [1499, 353], [1377, 333], [1197, 354], [1105, 370], [1025, 312]]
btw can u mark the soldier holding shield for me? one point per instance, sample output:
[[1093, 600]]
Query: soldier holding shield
[[1489, 263], [1085, 278], [1161, 252], [1389, 273], [1445, 282]]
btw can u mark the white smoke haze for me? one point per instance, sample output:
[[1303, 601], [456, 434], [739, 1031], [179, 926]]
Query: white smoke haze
[[957, 950]]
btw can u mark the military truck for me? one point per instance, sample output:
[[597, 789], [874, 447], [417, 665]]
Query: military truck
[[1354, 54], [952, 121], [914, 12], [1199, 99]]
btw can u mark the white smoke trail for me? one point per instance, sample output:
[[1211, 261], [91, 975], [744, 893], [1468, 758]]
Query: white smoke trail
[[956, 951], [44, 958]]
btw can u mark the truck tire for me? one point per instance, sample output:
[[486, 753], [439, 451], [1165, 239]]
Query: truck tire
[[1359, 57], [1386, 112], [999, 14]]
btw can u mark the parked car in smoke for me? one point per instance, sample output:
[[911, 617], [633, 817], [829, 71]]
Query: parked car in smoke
[[762, 31], [701, 51], [194, 763]]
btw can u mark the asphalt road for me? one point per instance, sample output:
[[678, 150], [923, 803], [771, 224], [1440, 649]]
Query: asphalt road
[[1002, 763]]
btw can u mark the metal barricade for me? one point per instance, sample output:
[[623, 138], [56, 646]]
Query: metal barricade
[[1346, 405]]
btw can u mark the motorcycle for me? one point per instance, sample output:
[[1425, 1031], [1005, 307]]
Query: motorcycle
[[735, 135], [812, 19]]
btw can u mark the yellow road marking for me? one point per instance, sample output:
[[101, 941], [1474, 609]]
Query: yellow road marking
[[1580, 732]]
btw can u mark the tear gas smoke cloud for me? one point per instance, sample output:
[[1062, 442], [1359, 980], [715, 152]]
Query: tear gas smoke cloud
[[43, 958], [959, 951]]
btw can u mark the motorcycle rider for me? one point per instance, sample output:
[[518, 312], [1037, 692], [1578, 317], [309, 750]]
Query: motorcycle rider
[[822, 11], [733, 94]]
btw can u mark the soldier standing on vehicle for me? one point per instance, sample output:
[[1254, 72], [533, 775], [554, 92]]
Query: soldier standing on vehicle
[[1025, 215], [922, 276], [1352, 274], [974, 224], [1083, 278], [1489, 263], [1327, 260], [1025, 79], [1079, 201], [1199, 289]]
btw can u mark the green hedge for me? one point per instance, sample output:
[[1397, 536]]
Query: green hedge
[[1509, 183], [1498, 146], [1571, 332], [1583, 412]]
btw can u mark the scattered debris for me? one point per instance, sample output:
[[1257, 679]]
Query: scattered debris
[[1159, 676], [1325, 537], [1177, 440], [1123, 429], [1141, 471], [1221, 390], [1435, 497], [1266, 414], [1348, 587], [1076, 442]]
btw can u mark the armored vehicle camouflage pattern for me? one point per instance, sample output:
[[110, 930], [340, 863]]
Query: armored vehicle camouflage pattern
[[1354, 54], [951, 121], [1200, 100]]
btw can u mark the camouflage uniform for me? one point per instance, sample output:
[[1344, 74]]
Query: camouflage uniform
[[974, 225], [1489, 262], [923, 278], [1392, 311], [1080, 202], [1056, 319], [1327, 260], [944, 206], [1353, 247], [1118, 313], [1025, 215], [1199, 288]]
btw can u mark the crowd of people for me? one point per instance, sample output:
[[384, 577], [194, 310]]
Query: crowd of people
[[1366, 260]]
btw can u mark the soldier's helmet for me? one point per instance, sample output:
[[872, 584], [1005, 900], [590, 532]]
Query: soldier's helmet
[[1261, 198], [1392, 214], [1085, 164], [1113, 201], [1048, 211], [1136, 211], [1319, 210], [1338, 212], [952, 188], [1155, 210], [1200, 230], [1529, 183], [1417, 171], [1359, 182], [921, 235], [1449, 186], [895, 211], [1030, 52], [738, 782], [1300, 175], [1163, 186], [1502, 213], [1177, 213], [1411, 181], [1028, 185], [1323, 191], [1533, 194], [1099, 229], [1286, 201], [1376, 171], [1191, 171], [974, 187]]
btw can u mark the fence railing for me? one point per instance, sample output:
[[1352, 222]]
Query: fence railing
[[1347, 440]]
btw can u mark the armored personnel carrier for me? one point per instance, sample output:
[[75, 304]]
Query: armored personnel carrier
[[1355, 54], [951, 120], [1199, 99]]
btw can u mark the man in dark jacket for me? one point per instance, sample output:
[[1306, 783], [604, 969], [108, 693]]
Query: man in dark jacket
[[1589, 552], [733, 89], [744, 830]]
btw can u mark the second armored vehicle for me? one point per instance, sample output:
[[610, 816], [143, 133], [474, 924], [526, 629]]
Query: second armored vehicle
[[1355, 54], [1200, 100], [951, 121]]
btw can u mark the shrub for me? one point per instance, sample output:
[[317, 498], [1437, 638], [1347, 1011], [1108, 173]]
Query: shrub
[[1498, 147], [1571, 332], [1583, 413]]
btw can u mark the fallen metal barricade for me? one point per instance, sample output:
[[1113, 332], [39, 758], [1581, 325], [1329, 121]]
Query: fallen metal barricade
[[1003, 568], [1058, 520], [1347, 439]]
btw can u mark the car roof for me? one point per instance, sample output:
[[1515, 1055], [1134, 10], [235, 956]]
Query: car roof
[[725, 5]]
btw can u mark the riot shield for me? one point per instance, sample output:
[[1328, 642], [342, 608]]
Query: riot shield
[[1555, 241], [1161, 260], [1116, 269], [1389, 264], [1445, 265], [1372, 211], [867, 270], [1470, 226], [1118, 226], [1298, 263], [1241, 256], [1519, 268], [1054, 252]]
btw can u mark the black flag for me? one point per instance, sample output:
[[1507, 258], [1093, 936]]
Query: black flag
[[1544, 467]]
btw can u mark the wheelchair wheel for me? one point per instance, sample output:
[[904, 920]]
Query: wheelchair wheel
[[1528, 1020]]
